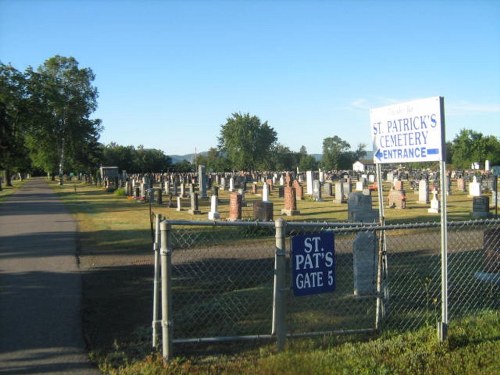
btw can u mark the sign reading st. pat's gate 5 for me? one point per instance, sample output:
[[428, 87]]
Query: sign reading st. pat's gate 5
[[408, 132]]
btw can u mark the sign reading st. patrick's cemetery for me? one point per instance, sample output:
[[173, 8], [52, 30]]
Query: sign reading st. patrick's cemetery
[[408, 132]]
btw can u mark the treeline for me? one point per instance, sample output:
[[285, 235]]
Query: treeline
[[46, 127]]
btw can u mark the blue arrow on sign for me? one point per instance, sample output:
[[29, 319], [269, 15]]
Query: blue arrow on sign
[[433, 151], [379, 154]]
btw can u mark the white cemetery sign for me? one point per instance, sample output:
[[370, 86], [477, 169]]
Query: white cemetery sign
[[408, 132]]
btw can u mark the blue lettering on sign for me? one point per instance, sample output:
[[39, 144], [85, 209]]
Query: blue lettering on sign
[[313, 263]]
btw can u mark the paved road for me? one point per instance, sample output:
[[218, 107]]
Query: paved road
[[40, 286]]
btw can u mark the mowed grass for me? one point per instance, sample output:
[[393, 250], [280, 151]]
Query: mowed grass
[[116, 255], [8, 190]]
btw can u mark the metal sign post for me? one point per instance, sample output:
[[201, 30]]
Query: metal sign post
[[414, 132]]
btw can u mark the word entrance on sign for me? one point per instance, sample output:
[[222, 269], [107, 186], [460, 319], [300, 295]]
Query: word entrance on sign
[[313, 262]]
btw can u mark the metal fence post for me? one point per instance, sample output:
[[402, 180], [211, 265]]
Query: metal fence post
[[279, 313], [166, 290], [156, 282]]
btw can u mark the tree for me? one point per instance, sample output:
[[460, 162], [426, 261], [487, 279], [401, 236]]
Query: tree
[[470, 146], [61, 100], [336, 153], [13, 153], [282, 158], [246, 141], [214, 160]]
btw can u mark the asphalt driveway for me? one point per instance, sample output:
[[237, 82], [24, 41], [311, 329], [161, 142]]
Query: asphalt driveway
[[40, 286]]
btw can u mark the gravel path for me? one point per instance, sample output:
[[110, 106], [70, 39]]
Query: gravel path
[[40, 286]]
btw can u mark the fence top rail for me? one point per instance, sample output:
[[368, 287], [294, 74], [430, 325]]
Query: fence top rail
[[343, 226]]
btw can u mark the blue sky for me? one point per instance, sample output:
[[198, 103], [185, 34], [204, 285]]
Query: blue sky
[[169, 73]]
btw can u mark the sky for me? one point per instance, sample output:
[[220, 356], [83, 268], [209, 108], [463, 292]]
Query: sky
[[170, 73]]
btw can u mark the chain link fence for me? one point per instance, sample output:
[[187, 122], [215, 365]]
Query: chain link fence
[[222, 278]]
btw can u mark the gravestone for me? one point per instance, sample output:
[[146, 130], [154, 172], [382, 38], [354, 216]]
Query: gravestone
[[179, 204], [327, 189], [299, 190], [481, 207], [359, 207], [347, 187], [222, 185], [194, 204], [365, 263], [263, 211], [231, 184], [423, 192], [202, 181], [309, 182], [290, 202], [397, 199], [474, 188], [213, 214], [235, 206], [317, 191], [339, 193], [158, 194], [461, 184], [170, 203], [491, 246], [265, 192], [435, 204]]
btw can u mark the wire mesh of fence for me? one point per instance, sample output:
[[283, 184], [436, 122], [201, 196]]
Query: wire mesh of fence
[[386, 277]]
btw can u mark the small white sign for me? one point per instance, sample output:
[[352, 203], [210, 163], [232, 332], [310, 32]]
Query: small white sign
[[408, 132]]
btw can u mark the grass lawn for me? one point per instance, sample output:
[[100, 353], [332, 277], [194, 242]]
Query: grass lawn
[[115, 252]]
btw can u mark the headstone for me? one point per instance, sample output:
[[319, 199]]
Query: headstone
[[491, 246], [481, 207], [327, 189], [309, 182], [299, 190], [423, 192], [365, 263], [263, 211], [290, 202], [179, 204], [435, 204], [339, 193], [359, 207], [474, 188], [231, 184], [213, 214], [202, 181], [158, 193], [461, 184], [234, 207], [397, 199], [194, 204], [317, 191], [281, 192], [183, 193], [222, 185], [347, 188], [265, 192]]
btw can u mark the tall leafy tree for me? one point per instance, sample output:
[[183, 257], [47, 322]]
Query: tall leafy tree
[[13, 153], [246, 141], [336, 153], [61, 99], [470, 146]]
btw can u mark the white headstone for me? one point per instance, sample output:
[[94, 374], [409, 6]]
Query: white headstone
[[474, 188], [213, 214], [309, 181], [265, 192]]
